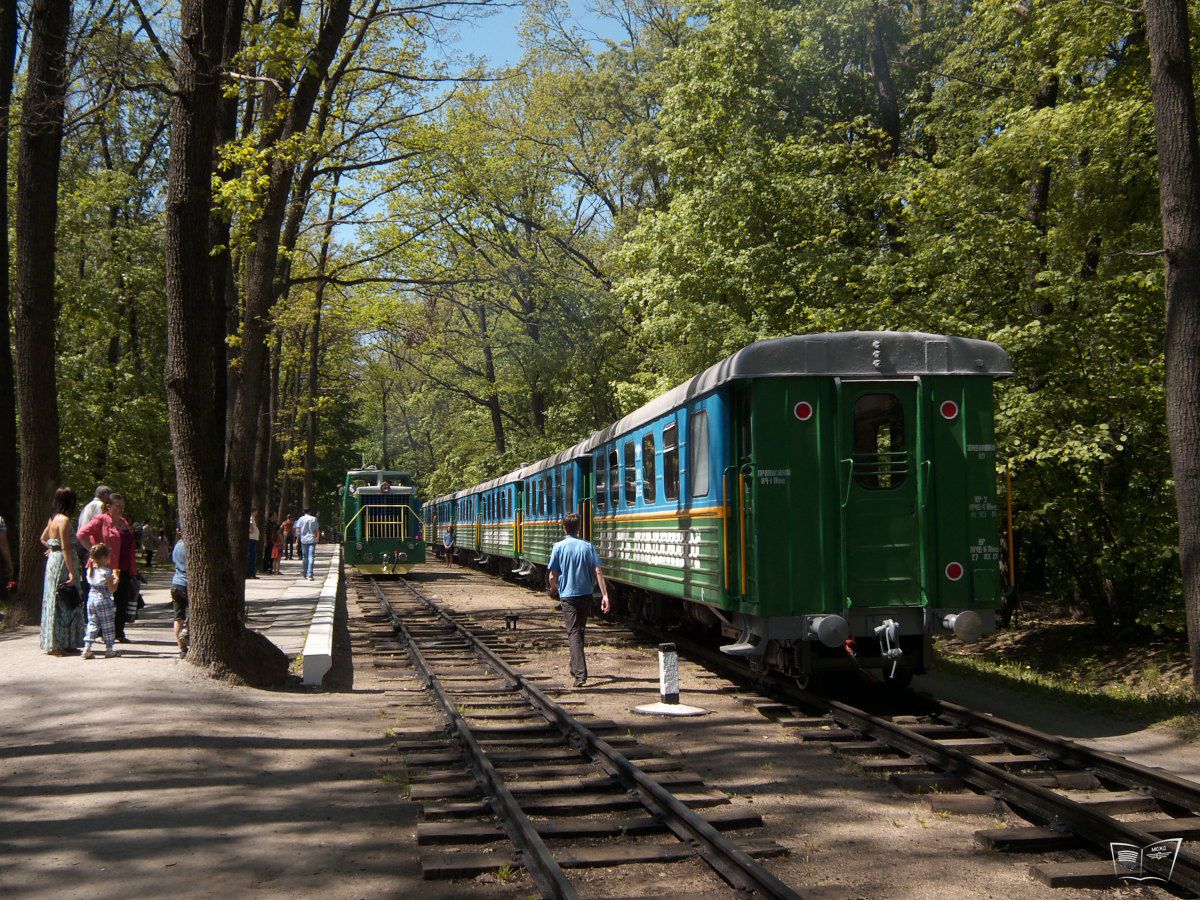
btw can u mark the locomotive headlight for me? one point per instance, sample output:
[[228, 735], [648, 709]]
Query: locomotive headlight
[[831, 631], [358, 545], [966, 625], [402, 556]]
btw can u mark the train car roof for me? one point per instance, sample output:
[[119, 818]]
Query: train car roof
[[499, 481], [557, 459], [848, 354]]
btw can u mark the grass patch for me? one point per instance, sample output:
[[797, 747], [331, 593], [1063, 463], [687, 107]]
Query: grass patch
[[1129, 682]]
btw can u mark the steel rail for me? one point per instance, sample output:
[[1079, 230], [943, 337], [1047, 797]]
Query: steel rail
[[535, 856], [1161, 785], [732, 863], [1061, 813]]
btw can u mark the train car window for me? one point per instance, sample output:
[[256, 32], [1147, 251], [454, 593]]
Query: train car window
[[614, 478], [558, 493], [698, 452], [569, 489], [671, 462], [630, 474], [880, 453], [601, 483], [649, 484]]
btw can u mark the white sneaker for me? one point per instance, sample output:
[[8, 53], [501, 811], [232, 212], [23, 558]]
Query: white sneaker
[[88, 654]]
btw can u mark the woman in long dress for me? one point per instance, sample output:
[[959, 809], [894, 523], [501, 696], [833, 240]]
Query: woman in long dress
[[62, 627]]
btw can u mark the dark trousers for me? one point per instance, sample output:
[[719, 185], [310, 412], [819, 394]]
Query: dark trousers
[[575, 614], [125, 592], [251, 558], [291, 542]]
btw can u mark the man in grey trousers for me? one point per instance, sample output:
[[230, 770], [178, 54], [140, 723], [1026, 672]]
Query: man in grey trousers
[[574, 568]]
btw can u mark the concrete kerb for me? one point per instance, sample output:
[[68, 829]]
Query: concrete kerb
[[318, 646]]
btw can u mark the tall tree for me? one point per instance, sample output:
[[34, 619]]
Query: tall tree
[[219, 640], [8, 395], [1173, 92], [37, 217]]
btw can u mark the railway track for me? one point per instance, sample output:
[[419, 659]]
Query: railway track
[[1075, 796], [514, 765]]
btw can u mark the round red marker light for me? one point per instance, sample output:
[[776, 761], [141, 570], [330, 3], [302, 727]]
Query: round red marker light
[[954, 571], [803, 410], [949, 409]]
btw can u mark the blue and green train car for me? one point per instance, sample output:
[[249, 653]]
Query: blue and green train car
[[824, 502], [382, 530]]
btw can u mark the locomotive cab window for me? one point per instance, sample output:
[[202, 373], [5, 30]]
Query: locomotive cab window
[[649, 488], [698, 452], [671, 462], [880, 448], [630, 474]]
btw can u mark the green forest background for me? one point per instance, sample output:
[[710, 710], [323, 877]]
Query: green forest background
[[491, 264]]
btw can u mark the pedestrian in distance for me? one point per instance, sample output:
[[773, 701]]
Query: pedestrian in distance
[[289, 536], [62, 612], [277, 551], [101, 607], [575, 569], [252, 547], [95, 506], [179, 593], [269, 534], [448, 546], [307, 532], [149, 543]]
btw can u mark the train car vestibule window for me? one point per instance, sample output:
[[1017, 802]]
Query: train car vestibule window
[[671, 462], [630, 474], [614, 478], [698, 452], [569, 489], [880, 452], [649, 488], [601, 484]]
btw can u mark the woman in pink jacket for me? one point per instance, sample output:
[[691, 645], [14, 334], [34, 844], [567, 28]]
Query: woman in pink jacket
[[110, 528]]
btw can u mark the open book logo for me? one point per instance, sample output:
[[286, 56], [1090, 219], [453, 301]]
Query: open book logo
[[1130, 861]]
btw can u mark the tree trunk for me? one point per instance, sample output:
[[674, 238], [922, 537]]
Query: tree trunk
[[489, 369], [383, 401], [37, 218], [1173, 94], [1039, 196], [314, 355], [272, 425], [219, 642], [885, 90], [262, 264], [8, 393]]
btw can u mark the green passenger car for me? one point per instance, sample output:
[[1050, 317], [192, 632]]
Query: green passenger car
[[823, 502]]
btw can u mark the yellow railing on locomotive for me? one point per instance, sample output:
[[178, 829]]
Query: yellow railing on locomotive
[[384, 522]]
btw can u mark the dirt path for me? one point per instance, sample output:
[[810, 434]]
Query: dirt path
[[138, 777]]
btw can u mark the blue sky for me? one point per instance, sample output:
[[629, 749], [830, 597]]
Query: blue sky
[[495, 37]]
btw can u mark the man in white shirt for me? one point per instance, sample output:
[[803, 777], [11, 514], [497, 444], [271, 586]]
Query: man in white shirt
[[307, 530], [94, 507]]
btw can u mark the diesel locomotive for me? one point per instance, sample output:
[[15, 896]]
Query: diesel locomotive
[[822, 502], [382, 532]]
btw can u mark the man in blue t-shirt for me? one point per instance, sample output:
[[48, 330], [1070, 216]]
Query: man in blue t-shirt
[[179, 593], [574, 567]]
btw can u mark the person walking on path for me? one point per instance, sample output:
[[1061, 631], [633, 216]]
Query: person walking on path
[[276, 553], [109, 527], [307, 530], [179, 593], [149, 543], [252, 547], [62, 623], [289, 536], [269, 535], [448, 546], [574, 567], [101, 607], [95, 506]]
